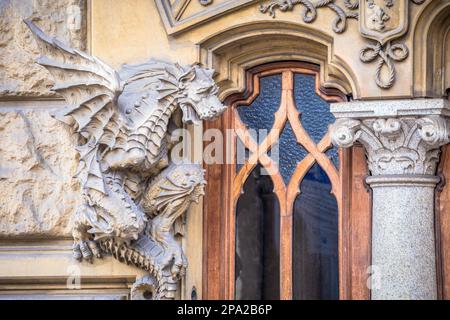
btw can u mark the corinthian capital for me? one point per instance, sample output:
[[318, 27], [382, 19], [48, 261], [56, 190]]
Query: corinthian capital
[[434, 130], [345, 132], [395, 143]]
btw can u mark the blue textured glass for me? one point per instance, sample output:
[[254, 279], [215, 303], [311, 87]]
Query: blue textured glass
[[260, 114], [333, 154], [315, 247], [289, 152], [315, 112]]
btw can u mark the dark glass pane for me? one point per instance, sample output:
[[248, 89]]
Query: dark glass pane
[[289, 152], [260, 114], [257, 240], [314, 111], [315, 254]]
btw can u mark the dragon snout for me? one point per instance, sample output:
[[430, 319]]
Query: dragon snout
[[213, 109]]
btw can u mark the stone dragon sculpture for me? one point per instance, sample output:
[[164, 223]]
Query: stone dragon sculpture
[[133, 193]]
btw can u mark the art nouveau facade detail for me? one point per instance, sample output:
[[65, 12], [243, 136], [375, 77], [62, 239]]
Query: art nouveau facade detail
[[380, 21], [133, 191], [93, 193], [400, 137], [402, 140]]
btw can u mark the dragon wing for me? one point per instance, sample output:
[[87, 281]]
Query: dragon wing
[[90, 88]]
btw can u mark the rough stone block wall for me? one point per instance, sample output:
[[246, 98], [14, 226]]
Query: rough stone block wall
[[37, 162], [19, 75], [38, 193]]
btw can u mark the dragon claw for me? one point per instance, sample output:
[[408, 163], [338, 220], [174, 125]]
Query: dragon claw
[[178, 271], [86, 250], [178, 263], [76, 252]]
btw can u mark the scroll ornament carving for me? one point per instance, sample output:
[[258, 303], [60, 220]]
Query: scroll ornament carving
[[379, 20], [408, 145], [134, 193], [310, 13]]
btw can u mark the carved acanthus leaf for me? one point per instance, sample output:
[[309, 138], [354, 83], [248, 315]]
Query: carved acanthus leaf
[[407, 145]]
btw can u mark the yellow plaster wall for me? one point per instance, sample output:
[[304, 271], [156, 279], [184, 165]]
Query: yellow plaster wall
[[132, 31]]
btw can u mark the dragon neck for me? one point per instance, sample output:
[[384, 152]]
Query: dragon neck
[[161, 115], [158, 123]]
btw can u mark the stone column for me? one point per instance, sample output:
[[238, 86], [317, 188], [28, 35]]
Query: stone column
[[402, 139]]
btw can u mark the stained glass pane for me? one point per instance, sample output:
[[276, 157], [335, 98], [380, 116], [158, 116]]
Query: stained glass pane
[[289, 153], [315, 247], [260, 114], [333, 154], [257, 240], [315, 112], [315, 212]]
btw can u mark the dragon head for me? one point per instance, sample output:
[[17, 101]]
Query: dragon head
[[191, 88], [198, 95]]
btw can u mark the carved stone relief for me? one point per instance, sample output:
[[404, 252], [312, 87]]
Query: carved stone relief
[[309, 14], [133, 192], [379, 20], [406, 145], [382, 20], [402, 140]]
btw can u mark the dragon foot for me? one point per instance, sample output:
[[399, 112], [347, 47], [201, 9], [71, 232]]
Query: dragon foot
[[146, 254], [174, 260], [145, 288], [86, 250], [148, 288]]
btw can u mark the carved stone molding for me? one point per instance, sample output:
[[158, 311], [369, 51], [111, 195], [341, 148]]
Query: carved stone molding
[[134, 192], [176, 19], [233, 51], [379, 20], [431, 49]]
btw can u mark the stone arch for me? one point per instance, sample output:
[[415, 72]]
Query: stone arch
[[237, 49], [431, 77]]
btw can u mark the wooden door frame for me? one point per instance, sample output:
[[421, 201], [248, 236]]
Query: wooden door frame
[[442, 223], [218, 212]]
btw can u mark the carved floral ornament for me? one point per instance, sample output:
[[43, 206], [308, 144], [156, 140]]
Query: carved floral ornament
[[379, 20]]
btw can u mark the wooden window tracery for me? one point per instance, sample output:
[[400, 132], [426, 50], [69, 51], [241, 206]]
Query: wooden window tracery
[[225, 185]]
